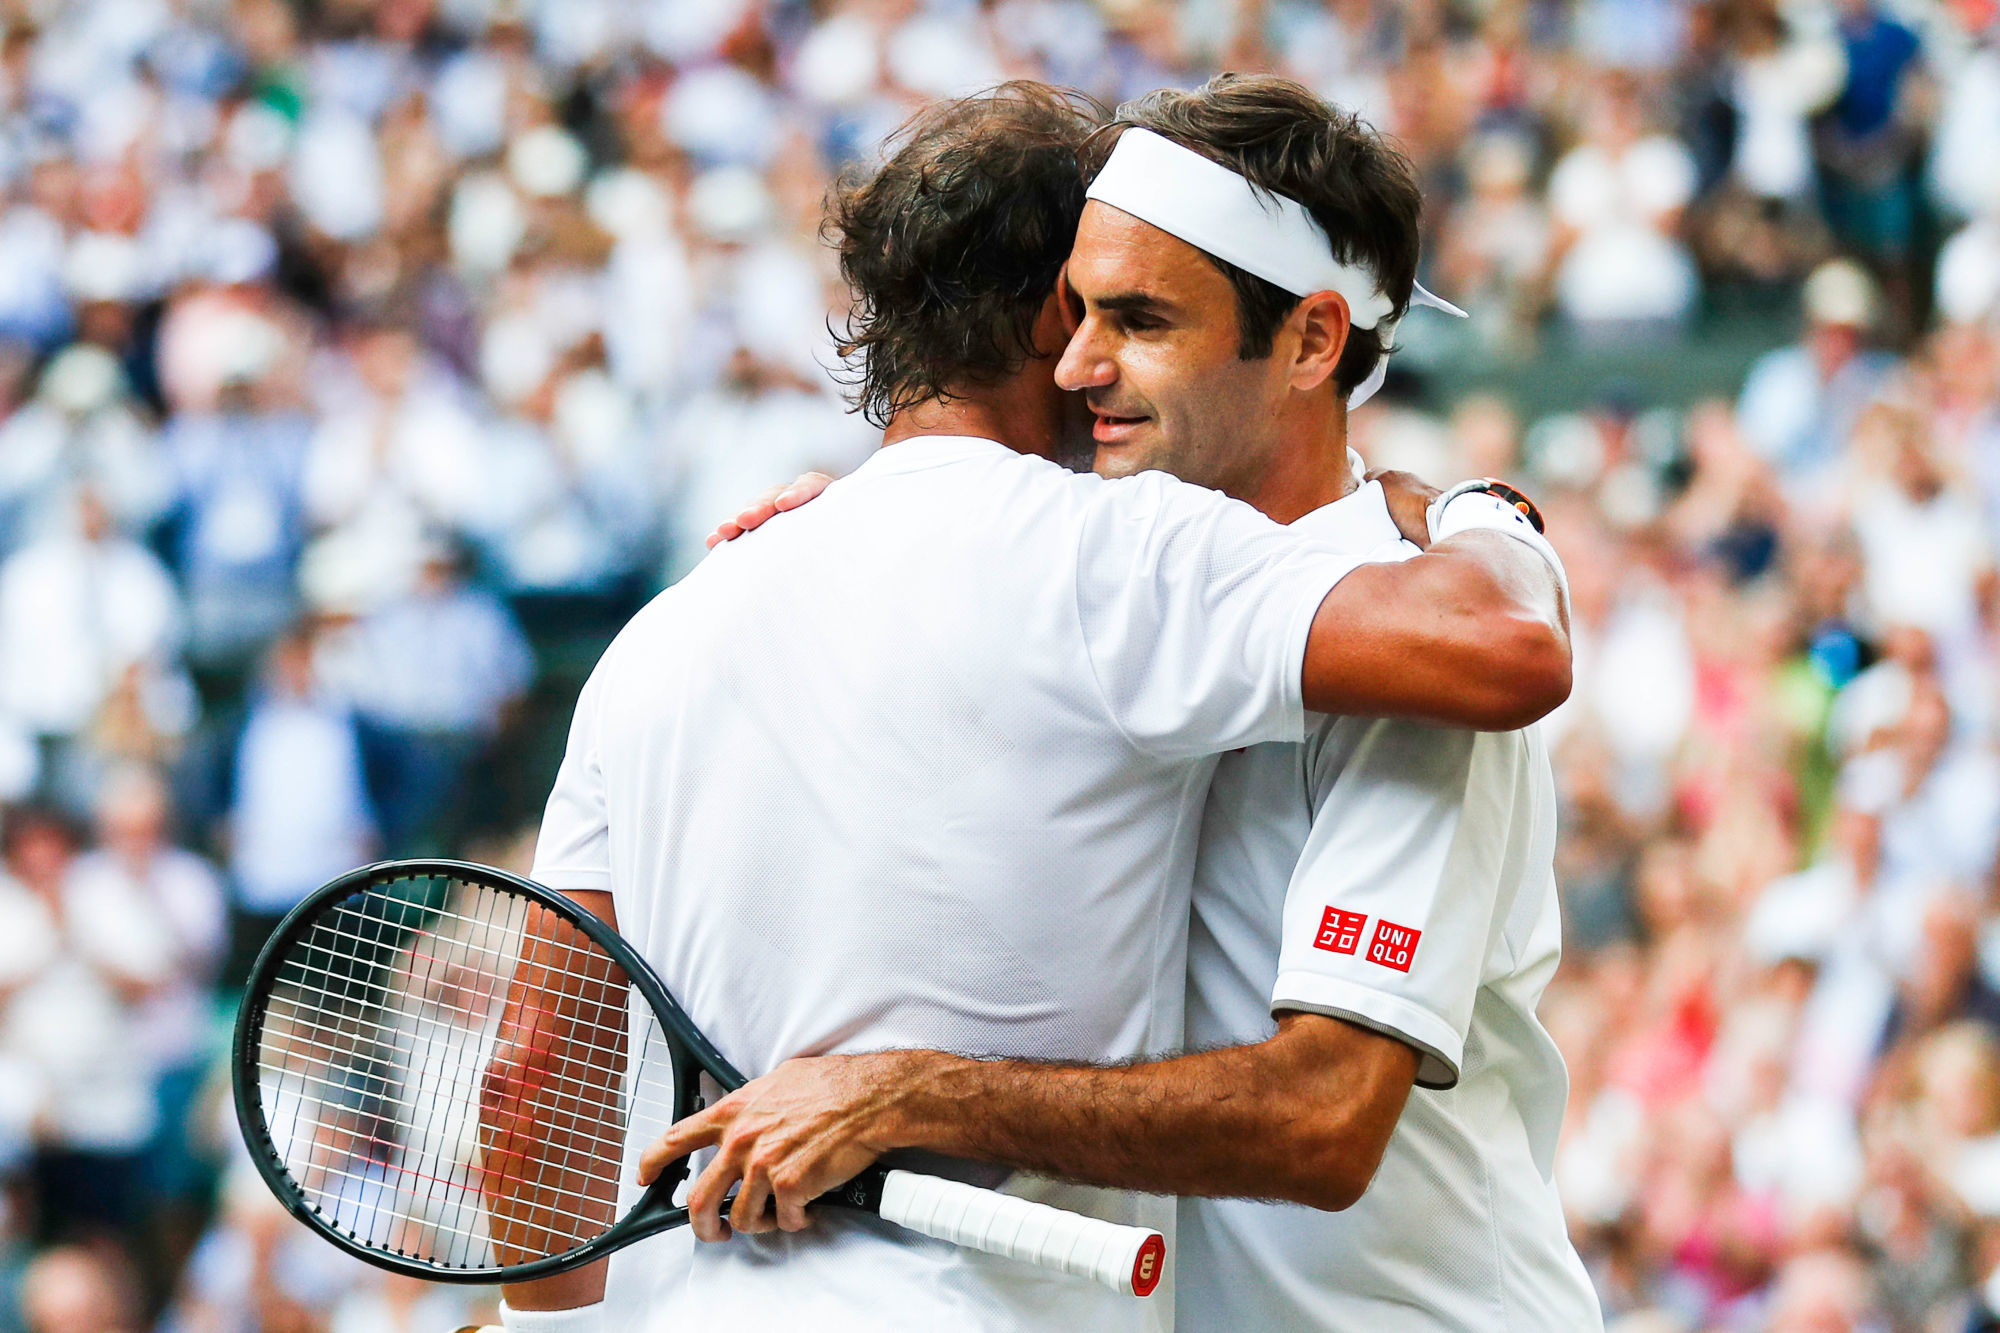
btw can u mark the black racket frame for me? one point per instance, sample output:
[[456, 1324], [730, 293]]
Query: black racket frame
[[690, 1052]]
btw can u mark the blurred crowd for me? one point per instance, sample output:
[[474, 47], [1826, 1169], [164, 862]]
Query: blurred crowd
[[359, 358]]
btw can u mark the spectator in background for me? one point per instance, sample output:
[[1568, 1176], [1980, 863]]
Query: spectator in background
[[82, 609], [39, 204], [1779, 69], [227, 326], [568, 513], [1800, 403], [33, 853], [81, 427], [432, 677], [76, 1290], [69, 1021], [1496, 246], [1617, 198], [299, 813], [1968, 272], [151, 918], [1926, 555], [1869, 142], [240, 526], [1824, 1291], [396, 453], [1962, 179]]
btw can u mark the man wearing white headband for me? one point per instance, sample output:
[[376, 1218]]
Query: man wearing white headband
[[1374, 909]]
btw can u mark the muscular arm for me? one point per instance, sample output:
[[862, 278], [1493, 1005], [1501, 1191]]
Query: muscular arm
[[1473, 633], [1303, 1116]]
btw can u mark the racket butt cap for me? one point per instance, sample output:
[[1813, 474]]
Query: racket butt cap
[[1150, 1265]]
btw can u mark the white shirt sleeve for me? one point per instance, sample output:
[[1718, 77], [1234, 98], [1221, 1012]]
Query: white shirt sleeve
[[1395, 904], [1194, 611], [573, 850]]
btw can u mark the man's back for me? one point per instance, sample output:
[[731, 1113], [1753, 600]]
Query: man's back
[[922, 765]]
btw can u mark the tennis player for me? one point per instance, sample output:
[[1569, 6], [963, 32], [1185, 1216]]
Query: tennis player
[[1384, 889], [924, 764]]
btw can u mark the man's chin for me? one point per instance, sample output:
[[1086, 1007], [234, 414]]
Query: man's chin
[[1122, 460]]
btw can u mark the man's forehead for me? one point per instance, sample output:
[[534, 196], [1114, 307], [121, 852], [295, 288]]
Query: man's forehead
[[1115, 249]]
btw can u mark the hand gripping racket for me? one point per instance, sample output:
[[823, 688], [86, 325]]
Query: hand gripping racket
[[448, 1071]]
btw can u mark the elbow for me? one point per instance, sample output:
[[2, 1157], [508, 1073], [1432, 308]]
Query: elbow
[[1529, 679], [1331, 1162], [1333, 1178]]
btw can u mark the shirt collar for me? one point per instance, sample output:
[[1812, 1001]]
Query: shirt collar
[[927, 451]]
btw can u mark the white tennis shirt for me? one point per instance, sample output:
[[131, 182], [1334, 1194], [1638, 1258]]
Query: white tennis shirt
[[921, 764], [1399, 876]]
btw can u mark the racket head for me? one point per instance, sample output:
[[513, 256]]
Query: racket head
[[433, 1069]]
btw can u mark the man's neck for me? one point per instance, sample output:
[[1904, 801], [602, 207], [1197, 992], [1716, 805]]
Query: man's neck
[[1310, 471], [989, 416]]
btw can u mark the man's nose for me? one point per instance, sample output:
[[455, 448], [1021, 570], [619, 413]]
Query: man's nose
[[1085, 363]]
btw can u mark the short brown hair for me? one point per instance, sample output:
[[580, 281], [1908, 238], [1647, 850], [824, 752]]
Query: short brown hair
[[1281, 137], [953, 245]]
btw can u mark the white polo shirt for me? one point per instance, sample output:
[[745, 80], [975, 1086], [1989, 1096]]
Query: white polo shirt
[[1398, 876], [921, 764]]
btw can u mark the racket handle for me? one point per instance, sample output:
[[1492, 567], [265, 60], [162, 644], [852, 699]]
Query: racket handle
[[1126, 1259]]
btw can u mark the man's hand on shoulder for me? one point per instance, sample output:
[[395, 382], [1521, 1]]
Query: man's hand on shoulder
[[790, 1136], [775, 501], [1475, 633], [1409, 498]]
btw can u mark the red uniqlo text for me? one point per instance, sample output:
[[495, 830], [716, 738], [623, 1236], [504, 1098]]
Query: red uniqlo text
[[1340, 932], [1393, 945]]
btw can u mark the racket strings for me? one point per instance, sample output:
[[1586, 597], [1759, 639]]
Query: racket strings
[[446, 1072]]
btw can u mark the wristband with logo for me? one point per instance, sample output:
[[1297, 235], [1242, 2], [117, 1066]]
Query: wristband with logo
[[1493, 506]]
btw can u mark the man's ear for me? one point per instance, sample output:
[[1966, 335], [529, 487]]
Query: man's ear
[[1323, 327], [1070, 303], [1052, 328]]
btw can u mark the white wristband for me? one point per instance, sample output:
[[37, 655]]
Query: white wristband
[[581, 1319], [1483, 510]]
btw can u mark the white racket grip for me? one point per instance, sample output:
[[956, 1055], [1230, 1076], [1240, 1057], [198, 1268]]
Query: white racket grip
[[1126, 1259]]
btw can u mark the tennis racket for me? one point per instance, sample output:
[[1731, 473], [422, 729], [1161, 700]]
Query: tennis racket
[[447, 1070]]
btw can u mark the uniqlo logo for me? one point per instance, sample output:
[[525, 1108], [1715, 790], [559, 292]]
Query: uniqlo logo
[[1393, 945], [1340, 932]]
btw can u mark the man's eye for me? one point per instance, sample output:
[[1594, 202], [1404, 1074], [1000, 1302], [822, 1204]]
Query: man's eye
[[1143, 324]]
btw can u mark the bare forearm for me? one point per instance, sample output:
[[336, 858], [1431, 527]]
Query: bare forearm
[[1187, 1126], [1300, 1118], [1474, 633], [565, 1291]]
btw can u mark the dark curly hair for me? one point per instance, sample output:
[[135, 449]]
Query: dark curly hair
[[952, 246], [1281, 137]]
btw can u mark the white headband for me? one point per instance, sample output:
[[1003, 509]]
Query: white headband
[[1214, 209]]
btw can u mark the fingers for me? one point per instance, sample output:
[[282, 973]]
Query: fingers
[[791, 1198], [703, 1129], [748, 1214], [774, 501], [807, 487], [705, 1198], [751, 517]]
